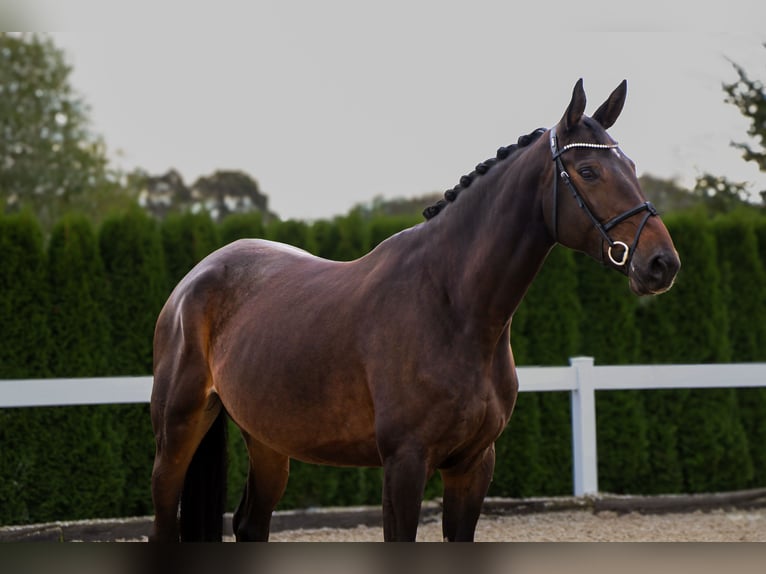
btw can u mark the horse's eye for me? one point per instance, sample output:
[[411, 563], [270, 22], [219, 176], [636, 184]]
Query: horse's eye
[[588, 173]]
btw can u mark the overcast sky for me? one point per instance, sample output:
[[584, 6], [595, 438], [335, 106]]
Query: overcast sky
[[327, 104]]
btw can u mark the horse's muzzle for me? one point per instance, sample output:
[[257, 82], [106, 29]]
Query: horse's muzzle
[[656, 274]]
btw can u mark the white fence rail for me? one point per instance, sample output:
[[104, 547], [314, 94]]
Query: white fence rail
[[581, 379]]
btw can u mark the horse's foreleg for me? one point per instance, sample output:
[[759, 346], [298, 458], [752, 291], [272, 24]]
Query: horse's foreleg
[[404, 479], [464, 492], [266, 482]]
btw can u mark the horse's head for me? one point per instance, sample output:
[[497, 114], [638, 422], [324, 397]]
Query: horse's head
[[597, 206]]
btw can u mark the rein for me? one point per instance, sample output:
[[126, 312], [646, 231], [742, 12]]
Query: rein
[[603, 228]]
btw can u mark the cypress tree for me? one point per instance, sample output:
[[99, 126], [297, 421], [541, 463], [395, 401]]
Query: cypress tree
[[707, 436], [309, 486], [79, 323], [665, 323], [79, 466], [759, 227], [551, 330], [744, 278], [383, 227], [553, 312], [25, 343], [326, 236], [25, 339], [361, 485], [292, 232], [609, 334], [753, 401], [518, 461], [242, 226], [131, 249], [519, 342], [354, 239], [689, 323], [186, 239], [238, 463]]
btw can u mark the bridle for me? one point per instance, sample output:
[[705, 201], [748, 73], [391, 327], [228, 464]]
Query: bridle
[[603, 228]]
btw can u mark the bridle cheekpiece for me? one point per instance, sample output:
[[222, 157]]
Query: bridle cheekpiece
[[603, 228]]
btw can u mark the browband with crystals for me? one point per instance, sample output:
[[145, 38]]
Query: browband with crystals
[[588, 145]]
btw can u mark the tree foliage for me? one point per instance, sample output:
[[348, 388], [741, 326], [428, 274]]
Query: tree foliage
[[749, 96], [24, 299], [79, 322], [50, 160], [743, 277], [551, 330], [186, 239], [241, 226], [622, 431], [131, 249], [292, 232], [649, 441], [720, 194], [82, 443]]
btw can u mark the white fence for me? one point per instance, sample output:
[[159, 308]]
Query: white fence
[[581, 379]]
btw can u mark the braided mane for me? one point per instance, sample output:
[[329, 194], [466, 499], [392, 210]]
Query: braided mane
[[503, 153]]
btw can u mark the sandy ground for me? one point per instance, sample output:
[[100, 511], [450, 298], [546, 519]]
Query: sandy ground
[[576, 526]]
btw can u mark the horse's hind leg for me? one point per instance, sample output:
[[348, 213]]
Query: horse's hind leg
[[182, 413], [266, 481], [464, 492]]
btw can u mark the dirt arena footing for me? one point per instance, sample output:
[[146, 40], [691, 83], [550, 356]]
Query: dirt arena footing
[[349, 517]]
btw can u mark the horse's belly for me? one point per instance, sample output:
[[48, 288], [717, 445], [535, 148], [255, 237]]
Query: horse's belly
[[316, 439], [341, 453], [312, 419]]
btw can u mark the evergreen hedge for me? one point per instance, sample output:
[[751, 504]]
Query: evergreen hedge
[[25, 343], [550, 329], [186, 239], [609, 332], [242, 226], [683, 326], [86, 304], [131, 249], [744, 278], [73, 454]]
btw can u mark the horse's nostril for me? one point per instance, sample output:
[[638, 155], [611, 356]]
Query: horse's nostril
[[658, 266], [663, 268]]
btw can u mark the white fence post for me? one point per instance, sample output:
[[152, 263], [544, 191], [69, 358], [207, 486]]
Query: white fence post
[[585, 463]]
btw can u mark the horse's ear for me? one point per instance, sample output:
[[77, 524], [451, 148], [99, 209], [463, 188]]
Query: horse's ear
[[607, 114], [576, 107]]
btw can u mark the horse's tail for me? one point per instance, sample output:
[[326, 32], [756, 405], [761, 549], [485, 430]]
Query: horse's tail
[[203, 498]]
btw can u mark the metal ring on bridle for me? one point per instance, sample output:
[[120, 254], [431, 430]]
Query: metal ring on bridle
[[625, 252]]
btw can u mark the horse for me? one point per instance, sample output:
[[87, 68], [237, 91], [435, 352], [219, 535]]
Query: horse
[[400, 359]]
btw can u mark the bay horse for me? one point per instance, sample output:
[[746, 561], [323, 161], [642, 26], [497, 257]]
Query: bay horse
[[399, 359]]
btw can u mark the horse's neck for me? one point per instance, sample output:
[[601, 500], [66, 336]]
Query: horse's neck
[[489, 245]]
